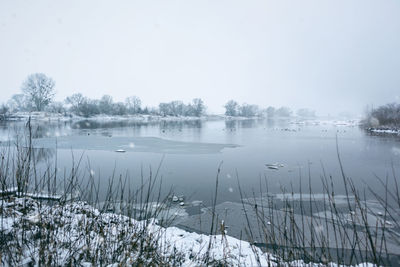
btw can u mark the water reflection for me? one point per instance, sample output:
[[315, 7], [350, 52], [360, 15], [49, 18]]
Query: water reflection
[[136, 126], [248, 123], [270, 123], [175, 129], [179, 125], [18, 130], [230, 125], [90, 124]]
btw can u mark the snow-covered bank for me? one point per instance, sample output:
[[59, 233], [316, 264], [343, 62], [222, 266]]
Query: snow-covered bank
[[384, 130], [79, 234], [48, 116]]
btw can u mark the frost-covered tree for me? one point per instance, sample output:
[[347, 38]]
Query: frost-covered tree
[[119, 109], [18, 102], [75, 101], [82, 106], [106, 104], [305, 112], [164, 109], [133, 104], [147, 111], [39, 90], [283, 112], [3, 112], [89, 108], [231, 108], [177, 108], [198, 107], [270, 112], [173, 108], [56, 107], [247, 110], [388, 115]]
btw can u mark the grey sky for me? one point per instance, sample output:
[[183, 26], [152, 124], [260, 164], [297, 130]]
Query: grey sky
[[328, 55]]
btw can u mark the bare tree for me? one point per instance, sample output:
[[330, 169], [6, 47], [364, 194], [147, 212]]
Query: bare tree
[[3, 112], [83, 106], [305, 112], [283, 112], [164, 109], [56, 107], [173, 108], [133, 104], [387, 115], [106, 104], [75, 101], [39, 90], [198, 107], [270, 112], [18, 102], [119, 109], [247, 110], [231, 108]]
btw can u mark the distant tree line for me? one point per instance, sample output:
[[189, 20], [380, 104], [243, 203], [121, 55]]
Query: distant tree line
[[37, 94], [386, 115], [178, 108], [87, 107], [234, 109]]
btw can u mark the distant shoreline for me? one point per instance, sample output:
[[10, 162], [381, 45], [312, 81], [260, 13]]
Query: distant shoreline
[[49, 116]]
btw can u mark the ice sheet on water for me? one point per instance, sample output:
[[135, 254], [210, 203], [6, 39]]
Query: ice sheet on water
[[141, 144]]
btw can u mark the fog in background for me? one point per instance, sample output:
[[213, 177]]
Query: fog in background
[[331, 56]]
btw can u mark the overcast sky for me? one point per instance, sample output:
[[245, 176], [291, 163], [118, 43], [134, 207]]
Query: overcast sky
[[327, 55]]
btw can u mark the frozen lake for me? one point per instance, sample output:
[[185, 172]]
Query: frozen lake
[[191, 152]]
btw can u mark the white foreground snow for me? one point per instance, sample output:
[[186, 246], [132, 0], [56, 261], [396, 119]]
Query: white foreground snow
[[79, 234]]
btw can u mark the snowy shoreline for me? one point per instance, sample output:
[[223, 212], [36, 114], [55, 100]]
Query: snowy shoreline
[[46, 116], [384, 130], [81, 234]]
